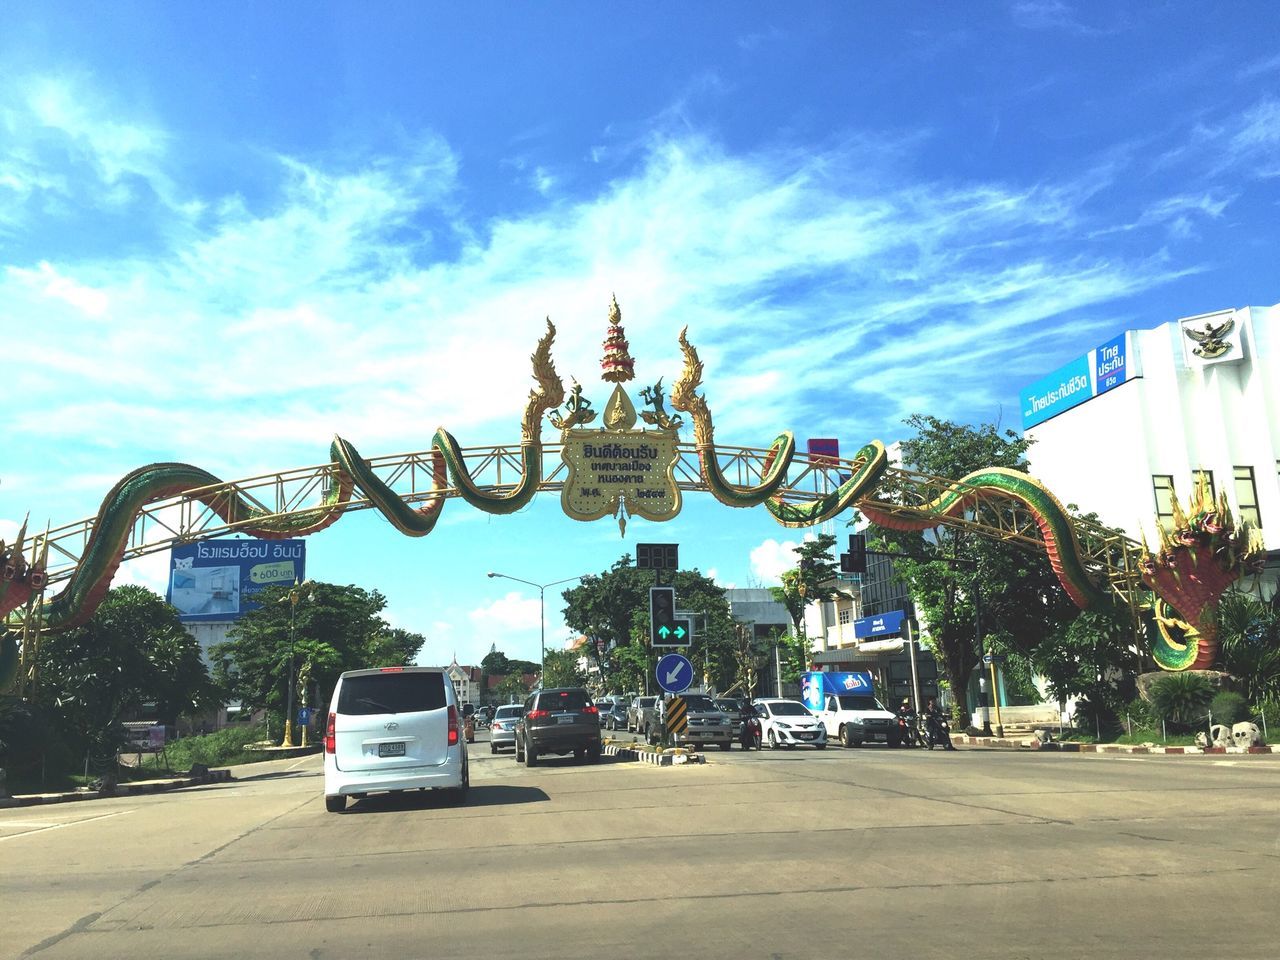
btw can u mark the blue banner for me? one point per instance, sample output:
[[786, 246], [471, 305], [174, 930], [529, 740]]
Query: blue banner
[[814, 687], [1109, 367], [216, 580], [1063, 389], [881, 625]]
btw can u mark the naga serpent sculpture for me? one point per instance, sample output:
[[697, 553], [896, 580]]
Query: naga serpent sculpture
[[1195, 564]]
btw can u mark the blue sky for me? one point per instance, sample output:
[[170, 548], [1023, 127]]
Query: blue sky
[[229, 231]]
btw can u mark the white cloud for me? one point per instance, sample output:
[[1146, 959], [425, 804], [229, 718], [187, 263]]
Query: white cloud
[[771, 559], [514, 611]]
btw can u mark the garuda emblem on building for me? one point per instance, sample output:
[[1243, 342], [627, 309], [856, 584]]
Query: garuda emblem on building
[[1211, 340]]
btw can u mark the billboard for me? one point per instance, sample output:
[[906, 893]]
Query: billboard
[[824, 450], [815, 686], [1084, 378], [881, 625], [217, 579]]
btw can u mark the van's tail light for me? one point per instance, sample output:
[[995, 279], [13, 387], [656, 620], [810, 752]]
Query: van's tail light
[[330, 737], [453, 725], [591, 710], [537, 714]]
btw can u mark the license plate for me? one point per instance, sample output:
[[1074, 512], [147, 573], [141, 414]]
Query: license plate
[[566, 718], [391, 749], [807, 736]]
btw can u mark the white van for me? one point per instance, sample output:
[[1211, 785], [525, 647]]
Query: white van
[[393, 728]]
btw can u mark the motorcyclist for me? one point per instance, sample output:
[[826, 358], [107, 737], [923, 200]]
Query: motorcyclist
[[935, 719], [748, 727], [906, 723]]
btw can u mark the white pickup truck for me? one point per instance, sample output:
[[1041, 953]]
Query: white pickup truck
[[858, 718], [848, 709]]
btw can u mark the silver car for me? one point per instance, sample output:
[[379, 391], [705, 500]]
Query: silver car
[[502, 728]]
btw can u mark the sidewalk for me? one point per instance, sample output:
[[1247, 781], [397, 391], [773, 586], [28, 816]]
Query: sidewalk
[[1056, 746], [132, 788]]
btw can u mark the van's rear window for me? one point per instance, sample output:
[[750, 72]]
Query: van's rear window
[[392, 693]]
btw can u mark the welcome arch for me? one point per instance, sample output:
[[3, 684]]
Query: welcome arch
[[56, 580]]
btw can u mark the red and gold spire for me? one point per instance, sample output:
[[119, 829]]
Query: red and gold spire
[[617, 363]]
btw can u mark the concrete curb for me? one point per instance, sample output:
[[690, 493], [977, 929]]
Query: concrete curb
[[656, 759], [137, 788], [1126, 748]]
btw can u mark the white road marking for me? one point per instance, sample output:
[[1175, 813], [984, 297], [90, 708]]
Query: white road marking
[[56, 826]]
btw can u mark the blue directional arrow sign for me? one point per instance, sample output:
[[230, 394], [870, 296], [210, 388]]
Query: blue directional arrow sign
[[674, 673]]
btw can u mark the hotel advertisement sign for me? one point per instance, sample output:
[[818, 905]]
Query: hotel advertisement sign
[[216, 580]]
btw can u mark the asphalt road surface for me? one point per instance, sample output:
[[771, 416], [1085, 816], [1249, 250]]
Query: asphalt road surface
[[789, 854]]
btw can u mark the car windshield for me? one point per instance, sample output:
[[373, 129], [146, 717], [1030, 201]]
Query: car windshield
[[505, 712], [694, 701], [391, 693], [849, 702], [788, 708]]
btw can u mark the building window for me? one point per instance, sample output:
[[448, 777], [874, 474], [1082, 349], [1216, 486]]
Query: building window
[[1163, 486], [1247, 496], [845, 616], [1205, 477]]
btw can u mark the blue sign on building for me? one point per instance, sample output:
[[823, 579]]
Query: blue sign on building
[[1063, 389], [217, 579], [1109, 367], [881, 625]]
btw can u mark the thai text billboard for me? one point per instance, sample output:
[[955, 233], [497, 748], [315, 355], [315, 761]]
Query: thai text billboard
[[1082, 379], [218, 579]]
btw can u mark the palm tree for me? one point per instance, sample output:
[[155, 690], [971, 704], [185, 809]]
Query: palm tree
[[1249, 638]]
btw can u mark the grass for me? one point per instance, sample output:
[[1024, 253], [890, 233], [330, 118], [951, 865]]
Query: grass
[[222, 748]]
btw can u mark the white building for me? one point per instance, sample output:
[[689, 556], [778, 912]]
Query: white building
[[1149, 414]]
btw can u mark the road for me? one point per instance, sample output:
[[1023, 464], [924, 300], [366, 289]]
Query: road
[[794, 854]]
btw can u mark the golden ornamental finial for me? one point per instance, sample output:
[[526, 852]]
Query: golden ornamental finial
[[617, 364]]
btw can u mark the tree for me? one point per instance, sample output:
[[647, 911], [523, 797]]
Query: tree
[[562, 670], [512, 687], [132, 652], [963, 583], [339, 625], [495, 663], [1091, 657], [1249, 635], [613, 609], [810, 582]]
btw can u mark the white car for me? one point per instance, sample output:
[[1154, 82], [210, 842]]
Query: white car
[[393, 728], [785, 723], [502, 728]]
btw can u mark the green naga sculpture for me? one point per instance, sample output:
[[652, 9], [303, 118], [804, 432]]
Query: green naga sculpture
[[1196, 562]]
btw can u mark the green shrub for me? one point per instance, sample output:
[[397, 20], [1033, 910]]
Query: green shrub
[[1182, 699], [1229, 707], [1268, 708], [1139, 715], [226, 746]]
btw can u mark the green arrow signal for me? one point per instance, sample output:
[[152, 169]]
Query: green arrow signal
[[662, 632], [679, 633]]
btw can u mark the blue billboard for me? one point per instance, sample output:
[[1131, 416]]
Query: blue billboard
[[1063, 389], [814, 687], [217, 579], [881, 625], [1109, 365]]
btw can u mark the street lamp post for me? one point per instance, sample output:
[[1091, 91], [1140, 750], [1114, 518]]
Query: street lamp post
[[542, 606], [294, 595]]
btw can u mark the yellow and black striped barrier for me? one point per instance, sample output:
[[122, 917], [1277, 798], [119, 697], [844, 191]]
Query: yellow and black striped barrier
[[677, 716]]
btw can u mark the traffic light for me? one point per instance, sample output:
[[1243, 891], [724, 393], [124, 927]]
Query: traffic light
[[662, 617], [657, 556], [855, 561]]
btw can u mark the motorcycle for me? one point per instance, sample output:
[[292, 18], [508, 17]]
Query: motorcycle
[[937, 732], [909, 732], [749, 733]]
